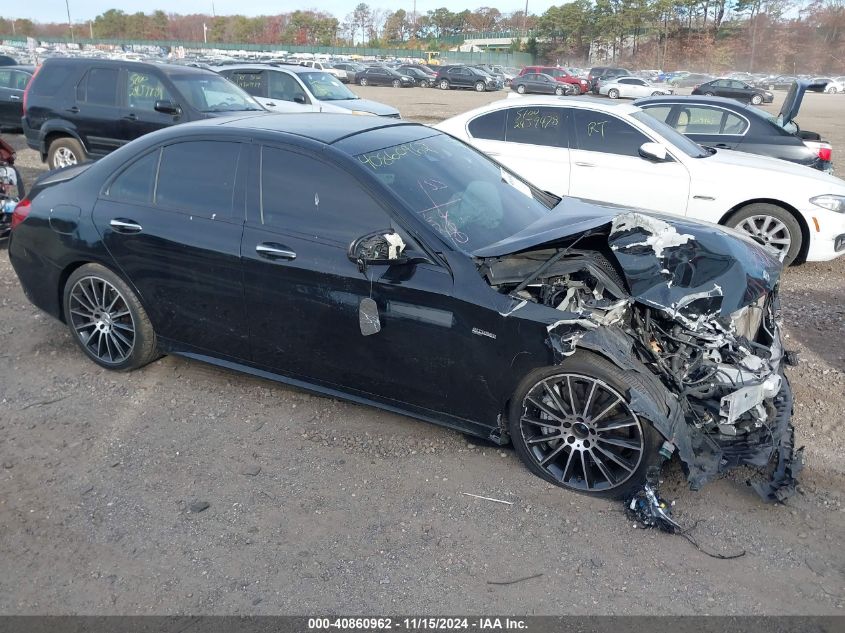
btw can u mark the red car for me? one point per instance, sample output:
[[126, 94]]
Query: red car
[[560, 74]]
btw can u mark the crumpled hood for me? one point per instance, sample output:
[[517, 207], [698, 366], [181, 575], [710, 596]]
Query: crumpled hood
[[685, 267], [364, 105]]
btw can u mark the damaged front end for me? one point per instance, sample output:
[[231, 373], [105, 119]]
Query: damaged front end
[[691, 314]]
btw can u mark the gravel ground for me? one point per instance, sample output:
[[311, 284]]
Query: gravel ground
[[318, 506]]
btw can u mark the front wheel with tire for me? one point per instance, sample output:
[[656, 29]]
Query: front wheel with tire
[[559, 92], [64, 152], [772, 225], [613, 93], [444, 85], [480, 86], [107, 320], [656, 93], [573, 426], [520, 89], [363, 81], [757, 99], [397, 83]]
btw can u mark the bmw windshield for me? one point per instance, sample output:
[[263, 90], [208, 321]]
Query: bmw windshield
[[326, 87], [465, 197]]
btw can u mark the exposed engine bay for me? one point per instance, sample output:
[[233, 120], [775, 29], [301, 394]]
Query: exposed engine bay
[[720, 364]]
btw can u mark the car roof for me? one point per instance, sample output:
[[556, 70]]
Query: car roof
[[292, 68], [168, 69], [732, 104], [591, 103], [322, 127]]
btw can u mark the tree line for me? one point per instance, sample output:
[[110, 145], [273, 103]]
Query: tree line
[[704, 35]]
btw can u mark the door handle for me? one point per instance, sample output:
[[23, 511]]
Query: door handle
[[73, 109], [585, 164], [14, 98], [271, 250], [131, 117], [125, 226]]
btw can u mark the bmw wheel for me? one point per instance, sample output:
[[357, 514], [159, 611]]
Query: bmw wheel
[[107, 320], [771, 225], [573, 425]]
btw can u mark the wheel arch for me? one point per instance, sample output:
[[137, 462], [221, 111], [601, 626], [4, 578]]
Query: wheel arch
[[805, 229], [70, 268]]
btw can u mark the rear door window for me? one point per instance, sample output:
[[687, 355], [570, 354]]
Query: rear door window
[[198, 177], [98, 87], [536, 125], [135, 183], [490, 126], [601, 132]]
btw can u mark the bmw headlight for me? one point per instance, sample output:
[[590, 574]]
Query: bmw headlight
[[830, 201]]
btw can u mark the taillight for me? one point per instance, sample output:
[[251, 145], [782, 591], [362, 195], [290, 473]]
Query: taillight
[[20, 212], [28, 85], [825, 153]]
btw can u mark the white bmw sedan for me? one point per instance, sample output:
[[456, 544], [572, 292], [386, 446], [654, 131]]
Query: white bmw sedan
[[632, 88], [614, 152]]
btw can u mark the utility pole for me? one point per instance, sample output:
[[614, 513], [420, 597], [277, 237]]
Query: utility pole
[[525, 20], [204, 33], [91, 29], [69, 23]]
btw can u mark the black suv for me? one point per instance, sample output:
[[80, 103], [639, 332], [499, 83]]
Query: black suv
[[76, 109], [465, 77]]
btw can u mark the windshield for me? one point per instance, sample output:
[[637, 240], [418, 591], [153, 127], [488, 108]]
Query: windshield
[[210, 93], [326, 87], [790, 127], [465, 197], [688, 147]]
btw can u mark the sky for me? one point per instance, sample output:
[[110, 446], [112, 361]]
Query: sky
[[82, 10]]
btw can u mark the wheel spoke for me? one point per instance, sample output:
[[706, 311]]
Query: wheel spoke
[[91, 302], [543, 423], [589, 399], [82, 326], [544, 408], [122, 313], [614, 458], [553, 454], [567, 470], [87, 315], [604, 471], [553, 394], [621, 443], [121, 338], [571, 397], [605, 412], [588, 480], [94, 291], [544, 438], [616, 425]]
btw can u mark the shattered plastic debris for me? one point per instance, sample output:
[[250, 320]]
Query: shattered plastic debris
[[660, 235]]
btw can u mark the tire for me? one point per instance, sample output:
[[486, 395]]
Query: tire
[[424, 83], [611, 480], [759, 220], [520, 89], [363, 81], [756, 99], [656, 93], [479, 86], [65, 151], [397, 83], [125, 337], [613, 93], [444, 84], [709, 94], [559, 92]]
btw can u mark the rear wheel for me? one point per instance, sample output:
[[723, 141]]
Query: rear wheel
[[363, 81], [613, 93], [107, 320], [444, 85], [64, 152], [774, 226], [479, 86], [709, 94], [573, 426], [656, 93], [559, 91], [424, 83], [757, 99], [396, 83], [520, 89]]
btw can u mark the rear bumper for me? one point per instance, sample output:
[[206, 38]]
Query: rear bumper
[[33, 138]]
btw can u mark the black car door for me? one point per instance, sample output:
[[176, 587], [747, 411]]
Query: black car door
[[139, 92], [459, 76], [7, 106], [303, 292], [173, 222], [97, 113]]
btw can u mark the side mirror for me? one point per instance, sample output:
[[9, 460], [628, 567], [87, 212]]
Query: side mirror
[[299, 99], [380, 248], [653, 151], [167, 107]]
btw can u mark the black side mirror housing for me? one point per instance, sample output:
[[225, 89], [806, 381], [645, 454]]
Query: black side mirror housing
[[299, 99], [167, 107], [381, 248]]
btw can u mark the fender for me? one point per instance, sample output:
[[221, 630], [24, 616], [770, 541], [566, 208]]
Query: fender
[[62, 126]]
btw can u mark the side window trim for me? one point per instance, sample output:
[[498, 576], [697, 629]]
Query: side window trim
[[105, 190]]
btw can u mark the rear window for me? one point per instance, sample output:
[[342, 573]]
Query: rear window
[[49, 79]]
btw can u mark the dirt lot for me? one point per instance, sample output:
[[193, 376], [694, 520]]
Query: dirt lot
[[318, 506]]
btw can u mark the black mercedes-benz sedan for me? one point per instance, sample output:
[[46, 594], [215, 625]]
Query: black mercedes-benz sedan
[[393, 265], [728, 124]]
